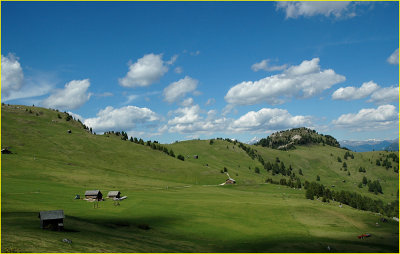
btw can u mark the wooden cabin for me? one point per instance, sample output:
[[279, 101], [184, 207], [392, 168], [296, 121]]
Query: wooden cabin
[[114, 194], [93, 194], [230, 181], [52, 219]]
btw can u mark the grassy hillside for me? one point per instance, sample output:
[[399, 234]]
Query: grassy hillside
[[172, 205]]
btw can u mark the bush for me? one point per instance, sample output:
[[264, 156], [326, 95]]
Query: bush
[[181, 157], [257, 170]]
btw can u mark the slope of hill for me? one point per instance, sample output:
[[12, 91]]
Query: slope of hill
[[175, 205], [285, 140]]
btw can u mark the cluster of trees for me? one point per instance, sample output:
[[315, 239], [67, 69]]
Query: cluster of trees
[[292, 183], [352, 199], [387, 162], [362, 170], [278, 167], [348, 154], [153, 145], [287, 139], [373, 186]]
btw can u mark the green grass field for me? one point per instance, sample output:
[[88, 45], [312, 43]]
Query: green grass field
[[180, 201]]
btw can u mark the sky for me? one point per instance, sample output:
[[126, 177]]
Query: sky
[[171, 71]]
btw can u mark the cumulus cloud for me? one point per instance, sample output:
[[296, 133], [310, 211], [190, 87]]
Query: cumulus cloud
[[121, 119], [186, 115], [379, 95], [187, 102], [145, 71], [385, 95], [269, 119], [264, 65], [309, 9], [304, 81], [194, 121], [394, 57], [381, 118], [179, 89], [12, 75], [72, 96], [353, 93]]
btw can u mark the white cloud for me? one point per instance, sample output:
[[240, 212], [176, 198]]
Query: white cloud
[[172, 60], [146, 71], [105, 94], [12, 75], [131, 98], [379, 95], [310, 8], [72, 96], [394, 57], [187, 102], [354, 93], [210, 101], [264, 65], [121, 119], [269, 119], [178, 70], [15, 85], [381, 118], [304, 80], [194, 121], [186, 115], [385, 95], [179, 89], [195, 53]]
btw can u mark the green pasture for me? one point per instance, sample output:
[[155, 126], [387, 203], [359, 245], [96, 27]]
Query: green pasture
[[172, 205]]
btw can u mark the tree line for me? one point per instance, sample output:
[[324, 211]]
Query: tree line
[[352, 199]]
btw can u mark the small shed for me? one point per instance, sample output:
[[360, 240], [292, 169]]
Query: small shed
[[52, 219], [230, 181], [5, 151], [196, 156], [94, 194], [114, 194]]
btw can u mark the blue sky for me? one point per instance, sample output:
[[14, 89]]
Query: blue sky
[[182, 70]]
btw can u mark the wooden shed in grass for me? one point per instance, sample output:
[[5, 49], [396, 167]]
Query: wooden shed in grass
[[230, 181], [52, 219], [114, 194], [93, 194]]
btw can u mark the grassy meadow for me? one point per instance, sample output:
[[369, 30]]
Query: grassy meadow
[[174, 205]]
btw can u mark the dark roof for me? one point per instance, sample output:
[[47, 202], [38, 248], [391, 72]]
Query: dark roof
[[51, 215], [92, 193], [113, 193]]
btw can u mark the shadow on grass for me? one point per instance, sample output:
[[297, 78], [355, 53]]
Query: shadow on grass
[[314, 244]]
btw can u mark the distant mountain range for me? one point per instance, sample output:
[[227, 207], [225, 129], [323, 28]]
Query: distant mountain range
[[371, 145]]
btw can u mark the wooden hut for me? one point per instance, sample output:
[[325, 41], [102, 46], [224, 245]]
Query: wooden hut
[[230, 181], [93, 194], [52, 219], [114, 194]]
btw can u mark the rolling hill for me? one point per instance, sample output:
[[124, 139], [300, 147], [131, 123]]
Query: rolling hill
[[178, 205]]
